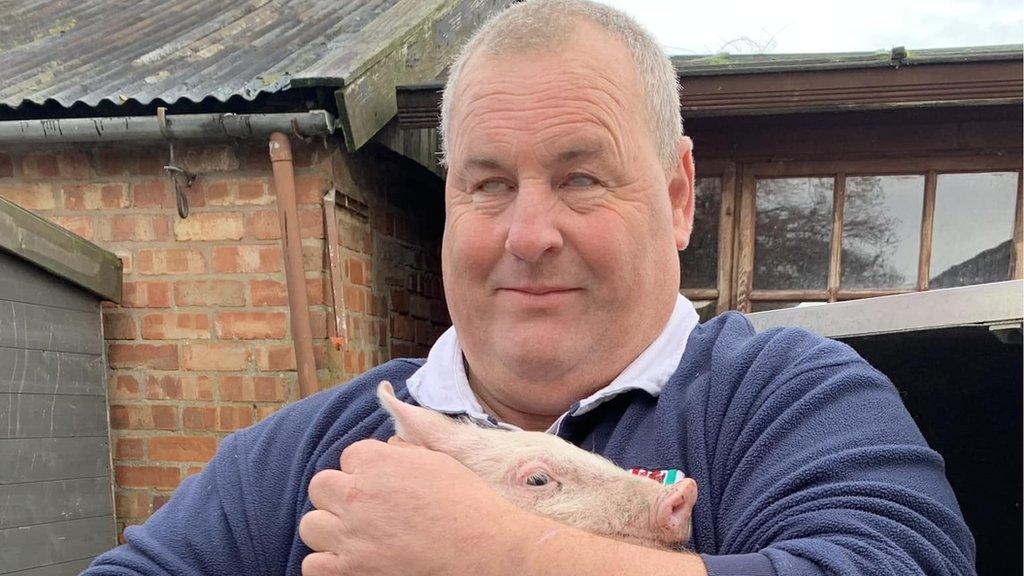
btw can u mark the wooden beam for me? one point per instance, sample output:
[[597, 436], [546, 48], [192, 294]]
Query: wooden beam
[[844, 295], [431, 32], [745, 242], [726, 235], [882, 166], [835, 257], [924, 261], [700, 293], [788, 295], [1017, 260]]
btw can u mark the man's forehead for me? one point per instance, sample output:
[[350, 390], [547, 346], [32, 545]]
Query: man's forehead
[[494, 154]]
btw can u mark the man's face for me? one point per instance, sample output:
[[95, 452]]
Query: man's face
[[562, 229]]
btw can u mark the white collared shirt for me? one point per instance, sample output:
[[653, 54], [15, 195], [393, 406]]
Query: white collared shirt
[[441, 383]]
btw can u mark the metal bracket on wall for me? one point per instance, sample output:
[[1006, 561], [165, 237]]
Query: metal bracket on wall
[[337, 330], [180, 177]]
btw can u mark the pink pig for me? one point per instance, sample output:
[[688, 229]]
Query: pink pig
[[551, 477]]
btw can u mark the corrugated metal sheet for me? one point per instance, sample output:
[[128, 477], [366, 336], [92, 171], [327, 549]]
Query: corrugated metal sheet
[[144, 50]]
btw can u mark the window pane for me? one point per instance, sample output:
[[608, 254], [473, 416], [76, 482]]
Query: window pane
[[973, 229], [699, 262], [768, 306], [793, 230], [882, 231]]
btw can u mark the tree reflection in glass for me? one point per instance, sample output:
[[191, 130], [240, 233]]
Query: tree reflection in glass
[[699, 262], [973, 229], [881, 231], [793, 230]]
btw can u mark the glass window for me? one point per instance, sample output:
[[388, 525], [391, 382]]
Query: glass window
[[973, 230], [882, 231], [768, 306], [699, 262], [793, 230]]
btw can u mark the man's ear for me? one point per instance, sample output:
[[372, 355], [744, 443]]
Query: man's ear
[[413, 424], [675, 509], [682, 179]]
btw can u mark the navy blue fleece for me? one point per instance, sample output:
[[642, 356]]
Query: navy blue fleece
[[806, 461]]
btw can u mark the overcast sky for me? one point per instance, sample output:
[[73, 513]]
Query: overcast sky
[[785, 26]]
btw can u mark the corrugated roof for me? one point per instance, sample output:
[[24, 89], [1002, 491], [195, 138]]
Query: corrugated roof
[[717, 64], [144, 50]]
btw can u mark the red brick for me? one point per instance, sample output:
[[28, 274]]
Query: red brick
[[355, 271], [154, 356], [235, 388], [275, 357], [130, 161], [248, 258], [147, 294], [311, 223], [269, 293], [147, 476], [36, 196], [402, 328], [355, 298], [315, 290], [163, 387], [143, 417], [197, 387], [206, 159], [95, 196], [133, 504], [159, 500], [318, 323], [263, 412], [313, 255], [139, 227], [69, 164], [78, 225], [215, 356], [217, 193], [126, 387], [175, 326], [233, 417], [169, 261], [153, 194], [6, 166], [310, 189], [128, 448], [182, 448], [199, 418], [118, 325], [209, 226], [251, 325], [209, 293], [263, 225], [126, 258], [253, 192]]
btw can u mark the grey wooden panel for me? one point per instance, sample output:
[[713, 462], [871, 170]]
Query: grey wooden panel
[[48, 372], [22, 281], [41, 459], [71, 568], [39, 327], [44, 544], [50, 416], [45, 502]]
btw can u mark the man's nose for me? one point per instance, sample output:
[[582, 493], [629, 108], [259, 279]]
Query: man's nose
[[533, 230]]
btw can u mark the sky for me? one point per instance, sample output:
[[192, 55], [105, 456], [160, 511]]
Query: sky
[[794, 26]]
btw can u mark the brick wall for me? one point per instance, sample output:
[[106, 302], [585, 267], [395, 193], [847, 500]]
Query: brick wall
[[201, 344]]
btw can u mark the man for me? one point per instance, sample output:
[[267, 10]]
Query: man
[[570, 191]]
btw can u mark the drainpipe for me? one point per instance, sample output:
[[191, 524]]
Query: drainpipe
[[295, 276]]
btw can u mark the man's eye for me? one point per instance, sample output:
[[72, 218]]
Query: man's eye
[[580, 181], [494, 187]]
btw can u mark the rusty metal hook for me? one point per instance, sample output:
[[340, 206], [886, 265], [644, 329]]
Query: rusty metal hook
[[177, 174]]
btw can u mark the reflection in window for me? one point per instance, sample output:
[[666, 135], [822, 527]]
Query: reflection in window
[[882, 231], [973, 229], [794, 227], [699, 262]]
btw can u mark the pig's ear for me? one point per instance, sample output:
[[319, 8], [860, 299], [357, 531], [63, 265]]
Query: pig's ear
[[413, 424], [675, 508]]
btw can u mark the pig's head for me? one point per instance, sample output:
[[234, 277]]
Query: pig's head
[[551, 477]]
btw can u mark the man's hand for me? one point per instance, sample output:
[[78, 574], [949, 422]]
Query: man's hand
[[400, 509], [396, 508]]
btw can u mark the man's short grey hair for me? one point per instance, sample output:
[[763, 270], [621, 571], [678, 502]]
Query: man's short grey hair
[[545, 24]]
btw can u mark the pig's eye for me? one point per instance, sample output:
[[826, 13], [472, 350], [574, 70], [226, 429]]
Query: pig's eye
[[538, 479]]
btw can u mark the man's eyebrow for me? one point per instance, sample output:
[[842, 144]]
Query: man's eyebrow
[[484, 162], [582, 152]]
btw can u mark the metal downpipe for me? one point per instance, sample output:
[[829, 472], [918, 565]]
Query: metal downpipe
[[295, 276]]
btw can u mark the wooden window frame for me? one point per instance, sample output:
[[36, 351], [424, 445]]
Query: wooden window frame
[[722, 295], [739, 259]]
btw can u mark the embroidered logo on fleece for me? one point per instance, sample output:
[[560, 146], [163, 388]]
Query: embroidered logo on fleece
[[667, 477]]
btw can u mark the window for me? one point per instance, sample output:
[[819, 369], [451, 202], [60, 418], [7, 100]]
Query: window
[[699, 262]]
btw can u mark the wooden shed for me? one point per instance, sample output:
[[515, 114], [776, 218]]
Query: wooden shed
[[56, 498]]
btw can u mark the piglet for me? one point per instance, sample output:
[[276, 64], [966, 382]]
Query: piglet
[[551, 477]]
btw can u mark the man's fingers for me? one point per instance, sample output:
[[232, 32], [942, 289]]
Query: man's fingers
[[358, 453], [321, 530], [328, 490], [324, 564]]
